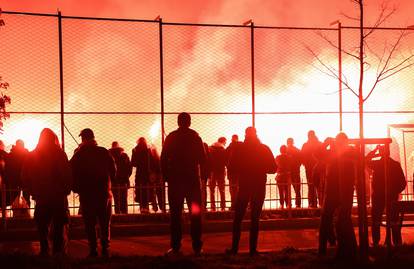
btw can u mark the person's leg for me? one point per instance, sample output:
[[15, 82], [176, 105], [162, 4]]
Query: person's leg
[[60, 219], [43, 216], [193, 198], [347, 244], [160, 193], [212, 186], [240, 209], [296, 187], [104, 218], [222, 190], [89, 215], [176, 201], [281, 194], [326, 226], [116, 191], [123, 199], [376, 214], [395, 223], [311, 187], [233, 187], [204, 193], [257, 201]]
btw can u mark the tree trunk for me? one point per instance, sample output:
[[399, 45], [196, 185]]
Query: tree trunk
[[361, 190]]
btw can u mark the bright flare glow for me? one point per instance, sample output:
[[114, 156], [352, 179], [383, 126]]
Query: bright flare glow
[[155, 130], [28, 130]]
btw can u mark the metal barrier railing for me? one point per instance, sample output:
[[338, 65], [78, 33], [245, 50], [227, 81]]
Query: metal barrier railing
[[134, 203]]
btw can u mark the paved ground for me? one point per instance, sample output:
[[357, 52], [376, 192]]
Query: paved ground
[[213, 243]]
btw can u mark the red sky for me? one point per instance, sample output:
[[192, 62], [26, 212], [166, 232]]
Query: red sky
[[265, 12], [196, 60]]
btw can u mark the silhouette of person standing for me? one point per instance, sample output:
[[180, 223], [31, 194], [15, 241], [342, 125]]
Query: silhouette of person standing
[[182, 155], [309, 149], [396, 184], [218, 160], [93, 171], [141, 159], [46, 175], [120, 185], [296, 161], [232, 176], [252, 160], [283, 177], [341, 171], [13, 169], [205, 171]]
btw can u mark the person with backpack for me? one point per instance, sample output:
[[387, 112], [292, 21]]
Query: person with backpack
[[396, 184]]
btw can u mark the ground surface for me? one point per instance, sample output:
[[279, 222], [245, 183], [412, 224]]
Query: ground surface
[[281, 249]]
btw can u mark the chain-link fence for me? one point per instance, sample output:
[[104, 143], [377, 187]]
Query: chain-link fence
[[127, 79]]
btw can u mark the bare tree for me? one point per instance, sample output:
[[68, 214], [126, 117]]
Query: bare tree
[[387, 65]]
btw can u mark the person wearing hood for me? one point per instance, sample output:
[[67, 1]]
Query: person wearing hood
[[120, 185], [252, 161], [13, 169], [46, 175], [218, 160], [141, 160], [93, 171]]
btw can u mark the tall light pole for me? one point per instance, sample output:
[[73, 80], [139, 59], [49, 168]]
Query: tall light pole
[[338, 23]]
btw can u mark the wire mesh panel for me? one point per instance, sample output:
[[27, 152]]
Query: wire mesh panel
[[289, 77], [111, 66], [207, 69], [126, 129], [30, 62]]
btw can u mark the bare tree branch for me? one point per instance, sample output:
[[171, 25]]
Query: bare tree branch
[[330, 71], [348, 17], [335, 45], [382, 17]]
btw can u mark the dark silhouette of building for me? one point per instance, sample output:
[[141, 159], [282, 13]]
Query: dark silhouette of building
[[295, 163], [283, 177], [252, 160], [46, 176], [144, 189], [120, 185], [308, 159], [182, 155], [396, 184], [341, 171], [218, 161], [93, 171], [232, 176]]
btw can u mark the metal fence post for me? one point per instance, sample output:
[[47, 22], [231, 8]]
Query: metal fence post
[[162, 82], [62, 105], [252, 74]]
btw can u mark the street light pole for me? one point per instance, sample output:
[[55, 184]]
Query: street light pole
[[338, 23]]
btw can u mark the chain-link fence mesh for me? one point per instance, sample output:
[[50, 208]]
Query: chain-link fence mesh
[[112, 77]]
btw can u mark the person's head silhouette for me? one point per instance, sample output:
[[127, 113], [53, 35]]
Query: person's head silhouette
[[184, 120]]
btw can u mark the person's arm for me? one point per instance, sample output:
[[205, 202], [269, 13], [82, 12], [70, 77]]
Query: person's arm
[[75, 172], [372, 154]]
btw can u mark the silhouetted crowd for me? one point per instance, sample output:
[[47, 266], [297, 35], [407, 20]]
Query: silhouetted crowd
[[188, 165]]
